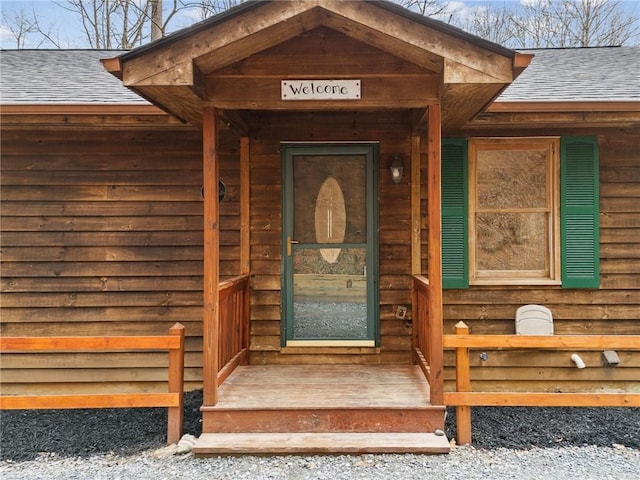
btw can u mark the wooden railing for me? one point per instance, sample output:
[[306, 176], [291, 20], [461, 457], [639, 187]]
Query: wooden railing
[[173, 400], [463, 398], [427, 340], [233, 345]]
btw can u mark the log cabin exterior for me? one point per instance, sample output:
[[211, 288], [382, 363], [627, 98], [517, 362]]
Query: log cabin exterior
[[108, 227]]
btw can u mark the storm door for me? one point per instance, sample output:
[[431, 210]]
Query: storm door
[[330, 268]]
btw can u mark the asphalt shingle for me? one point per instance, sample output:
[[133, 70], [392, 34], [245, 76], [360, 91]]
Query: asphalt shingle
[[578, 75], [68, 77], [74, 77]]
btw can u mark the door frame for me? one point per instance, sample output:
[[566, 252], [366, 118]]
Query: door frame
[[289, 150]]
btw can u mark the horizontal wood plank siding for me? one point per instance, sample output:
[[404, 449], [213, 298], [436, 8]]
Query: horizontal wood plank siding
[[612, 309], [392, 131], [102, 234]]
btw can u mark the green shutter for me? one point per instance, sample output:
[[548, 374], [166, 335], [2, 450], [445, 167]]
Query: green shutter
[[579, 218], [455, 271]]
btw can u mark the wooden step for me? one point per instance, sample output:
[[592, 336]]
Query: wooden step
[[324, 399], [319, 443], [318, 420]]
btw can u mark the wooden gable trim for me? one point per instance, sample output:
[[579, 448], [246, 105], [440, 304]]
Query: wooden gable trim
[[455, 72], [265, 25], [367, 22], [182, 74], [272, 23]]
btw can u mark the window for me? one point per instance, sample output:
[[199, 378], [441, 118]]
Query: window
[[513, 211], [520, 211]]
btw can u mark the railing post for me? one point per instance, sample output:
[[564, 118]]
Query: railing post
[[246, 319], [176, 385], [416, 322], [463, 384]]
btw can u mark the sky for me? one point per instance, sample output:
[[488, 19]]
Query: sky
[[63, 25], [65, 28]]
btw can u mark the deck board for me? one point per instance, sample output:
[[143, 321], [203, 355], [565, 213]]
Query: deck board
[[324, 386]]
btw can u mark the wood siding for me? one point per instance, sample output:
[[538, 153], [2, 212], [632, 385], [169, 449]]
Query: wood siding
[[102, 234], [392, 130], [612, 309]]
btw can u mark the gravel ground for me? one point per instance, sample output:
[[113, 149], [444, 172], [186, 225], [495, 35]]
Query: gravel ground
[[464, 463], [557, 443]]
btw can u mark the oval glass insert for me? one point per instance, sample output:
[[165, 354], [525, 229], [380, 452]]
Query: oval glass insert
[[330, 218]]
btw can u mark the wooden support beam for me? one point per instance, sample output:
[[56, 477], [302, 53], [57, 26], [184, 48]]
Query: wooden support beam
[[245, 182], [434, 267], [419, 121], [255, 93], [416, 211], [211, 340]]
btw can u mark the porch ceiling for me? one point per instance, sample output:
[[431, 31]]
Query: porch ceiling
[[435, 62]]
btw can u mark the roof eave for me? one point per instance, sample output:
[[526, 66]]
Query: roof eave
[[564, 106], [80, 109], [113, 66]]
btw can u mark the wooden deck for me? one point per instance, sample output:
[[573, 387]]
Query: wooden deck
[[323, 409]]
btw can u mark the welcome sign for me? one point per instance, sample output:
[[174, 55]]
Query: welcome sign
[[320, 89]]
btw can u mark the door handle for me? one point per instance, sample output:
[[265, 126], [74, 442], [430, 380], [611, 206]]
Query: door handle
[[290, 242]]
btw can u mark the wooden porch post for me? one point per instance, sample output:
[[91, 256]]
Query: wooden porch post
[[245, 238], [435, 256], [416, 212], [210, 339], [245, 267]]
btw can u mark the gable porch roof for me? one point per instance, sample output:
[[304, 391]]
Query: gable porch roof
[[176, 72]]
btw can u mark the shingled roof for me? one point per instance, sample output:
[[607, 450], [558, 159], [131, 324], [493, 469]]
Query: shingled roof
[[578, 75], [63, 77], [76, 77]]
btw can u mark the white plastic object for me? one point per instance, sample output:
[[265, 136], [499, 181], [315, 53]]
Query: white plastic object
[[534, 320], [575, 358]]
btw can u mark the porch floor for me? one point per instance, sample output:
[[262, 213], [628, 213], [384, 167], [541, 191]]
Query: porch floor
[[323, 409]]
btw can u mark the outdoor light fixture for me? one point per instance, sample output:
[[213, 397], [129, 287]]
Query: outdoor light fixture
[[222, 191], [396, 168]]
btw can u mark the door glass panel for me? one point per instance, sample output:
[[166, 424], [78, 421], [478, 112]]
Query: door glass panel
[[330, 199], [330, 298]]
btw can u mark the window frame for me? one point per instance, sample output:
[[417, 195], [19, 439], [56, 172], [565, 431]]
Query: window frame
[[551, 274]]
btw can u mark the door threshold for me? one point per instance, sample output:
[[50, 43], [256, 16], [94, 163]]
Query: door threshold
[[331, 343]]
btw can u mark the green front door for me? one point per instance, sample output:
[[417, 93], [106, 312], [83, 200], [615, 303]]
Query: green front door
[[330, 254]]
